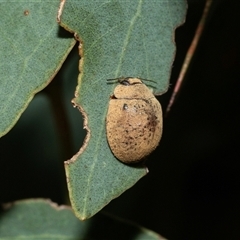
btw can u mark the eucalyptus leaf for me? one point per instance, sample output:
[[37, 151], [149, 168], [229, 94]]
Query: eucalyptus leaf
[[43, 219], [117, 39], [33, 48]]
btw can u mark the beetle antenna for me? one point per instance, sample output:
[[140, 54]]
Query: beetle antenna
[[121, 79], [148, 80], [118, 79]]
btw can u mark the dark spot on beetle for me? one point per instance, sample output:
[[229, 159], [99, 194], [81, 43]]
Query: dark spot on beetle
[[125, 106]]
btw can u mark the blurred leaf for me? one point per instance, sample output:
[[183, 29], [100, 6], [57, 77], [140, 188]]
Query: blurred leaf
[[117, 38], [41, 219], [33, 49]]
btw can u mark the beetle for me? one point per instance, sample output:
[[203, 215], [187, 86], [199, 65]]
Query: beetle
[[133, 121]]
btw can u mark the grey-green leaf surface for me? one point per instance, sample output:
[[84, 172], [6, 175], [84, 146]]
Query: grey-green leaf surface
[[117, 38], [42, 219], [32, 51]]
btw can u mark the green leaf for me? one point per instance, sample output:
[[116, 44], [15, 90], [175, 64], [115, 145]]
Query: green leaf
[[32, 50], [117, 38], [41, 219]]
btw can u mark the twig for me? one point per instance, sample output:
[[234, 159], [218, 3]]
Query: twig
[[190, 54]]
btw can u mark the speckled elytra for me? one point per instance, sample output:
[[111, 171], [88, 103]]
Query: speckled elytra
[[134, 120]]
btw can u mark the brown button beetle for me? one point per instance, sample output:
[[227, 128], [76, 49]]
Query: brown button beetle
[[134, 121]]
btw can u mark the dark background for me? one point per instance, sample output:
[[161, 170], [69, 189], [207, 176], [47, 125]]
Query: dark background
[[192, 190]]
